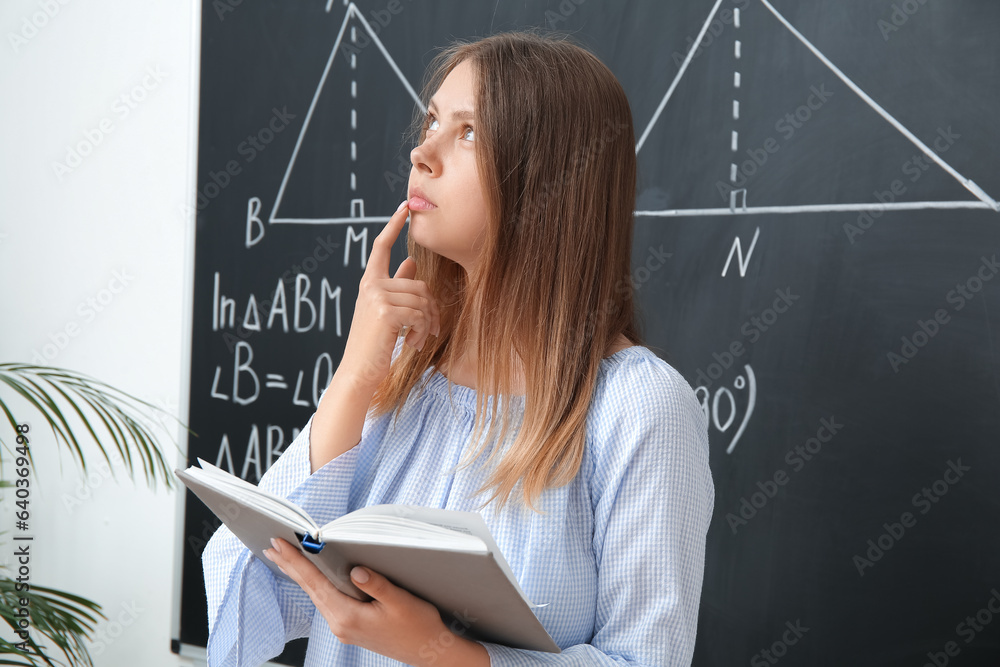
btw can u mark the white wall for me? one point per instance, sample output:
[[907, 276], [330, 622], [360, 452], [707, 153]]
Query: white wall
[[64, 239]]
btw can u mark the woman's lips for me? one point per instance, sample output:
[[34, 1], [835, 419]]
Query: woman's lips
[[417, 203]]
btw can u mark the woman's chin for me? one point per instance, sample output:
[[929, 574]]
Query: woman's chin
[[418, 233]]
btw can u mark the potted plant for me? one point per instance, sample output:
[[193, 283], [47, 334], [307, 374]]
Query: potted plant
[[76, 408]]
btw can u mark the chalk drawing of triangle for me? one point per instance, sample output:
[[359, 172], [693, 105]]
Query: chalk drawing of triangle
[[351, 205], [738, 204]]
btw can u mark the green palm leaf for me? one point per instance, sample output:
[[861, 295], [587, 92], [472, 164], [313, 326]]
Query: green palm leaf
[[58, 394], [65, 619], [112, 419]]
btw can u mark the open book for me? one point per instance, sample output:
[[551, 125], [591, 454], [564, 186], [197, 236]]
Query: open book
[[446, 557]]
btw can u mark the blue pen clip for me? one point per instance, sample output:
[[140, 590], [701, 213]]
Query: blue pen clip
[[311, 545]]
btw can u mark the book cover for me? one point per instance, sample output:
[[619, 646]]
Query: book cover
[[446, 557]]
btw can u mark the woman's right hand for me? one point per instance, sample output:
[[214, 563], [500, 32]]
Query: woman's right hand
[[384, 306]]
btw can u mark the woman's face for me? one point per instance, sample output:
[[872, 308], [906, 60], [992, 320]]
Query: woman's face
[[447, 207]]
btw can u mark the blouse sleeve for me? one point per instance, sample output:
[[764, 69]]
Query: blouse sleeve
[[251, 612], [652, 494]]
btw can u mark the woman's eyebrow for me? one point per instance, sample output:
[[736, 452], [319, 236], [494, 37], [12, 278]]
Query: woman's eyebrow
[[458, 114]]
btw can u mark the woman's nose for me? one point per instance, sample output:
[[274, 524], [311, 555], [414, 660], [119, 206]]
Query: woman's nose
[[424, 158]]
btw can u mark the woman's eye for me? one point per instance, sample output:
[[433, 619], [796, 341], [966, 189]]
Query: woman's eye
[[432, 124], [470, 134]]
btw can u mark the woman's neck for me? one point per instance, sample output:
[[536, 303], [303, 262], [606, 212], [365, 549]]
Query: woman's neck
[[461, 366]]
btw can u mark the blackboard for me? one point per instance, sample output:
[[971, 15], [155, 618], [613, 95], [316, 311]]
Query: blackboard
[[815, 250]]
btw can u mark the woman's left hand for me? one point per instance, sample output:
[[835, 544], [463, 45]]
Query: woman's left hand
[[396, 623]]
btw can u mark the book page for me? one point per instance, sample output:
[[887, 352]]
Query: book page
[[250, 494], [395, 527]]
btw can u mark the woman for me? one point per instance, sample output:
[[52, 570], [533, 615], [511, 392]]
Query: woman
[[593, 475]]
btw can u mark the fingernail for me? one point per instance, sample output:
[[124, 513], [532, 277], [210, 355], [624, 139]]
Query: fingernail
[[268, 555], [274, 543], [401, 205], [359, 575]]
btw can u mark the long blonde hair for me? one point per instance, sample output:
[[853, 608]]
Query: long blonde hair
[[555, 151]]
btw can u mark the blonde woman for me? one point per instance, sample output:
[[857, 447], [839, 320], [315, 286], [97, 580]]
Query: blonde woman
[[520, 390]]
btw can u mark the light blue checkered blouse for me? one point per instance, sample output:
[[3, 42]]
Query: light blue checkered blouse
[[618, 556]]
